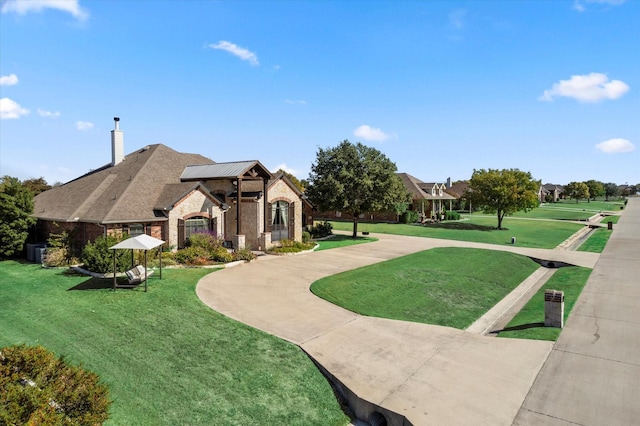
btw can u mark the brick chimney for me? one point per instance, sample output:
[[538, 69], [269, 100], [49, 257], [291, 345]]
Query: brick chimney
[[117, 143]]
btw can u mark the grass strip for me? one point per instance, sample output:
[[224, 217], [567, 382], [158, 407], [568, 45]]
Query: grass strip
[[340, 240], [481, 229], [529, 322], [445, 286], [166, 357]]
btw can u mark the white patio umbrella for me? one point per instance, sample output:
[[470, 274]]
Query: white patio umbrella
[[141, 242]]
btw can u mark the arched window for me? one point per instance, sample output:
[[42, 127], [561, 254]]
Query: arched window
[[195, 224]]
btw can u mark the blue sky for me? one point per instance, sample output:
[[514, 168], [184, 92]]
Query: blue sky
[[440, 87]]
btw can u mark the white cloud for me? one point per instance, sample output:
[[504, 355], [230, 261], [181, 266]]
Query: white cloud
[[22, 7], [10, 109], [8, 80], [579, 4], [45, 113], [370, 133], [286, 168], [296, 102], [84, 125], [592, 87], [234, 49], [457, 18], [616, 145]]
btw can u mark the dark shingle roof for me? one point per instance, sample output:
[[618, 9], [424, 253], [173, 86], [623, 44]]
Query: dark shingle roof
[[420, 189], [126, 192]]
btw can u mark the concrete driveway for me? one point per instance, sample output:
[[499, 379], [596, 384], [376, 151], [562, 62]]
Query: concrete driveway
[[428, 374]]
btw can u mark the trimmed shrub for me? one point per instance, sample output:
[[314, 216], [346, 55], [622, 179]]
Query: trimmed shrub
[[306, 237], [192, 256], [222, 255], [38, 388], [97, 256], [452, 215], [205, 240], [322, 229], [290, 246], [410, 216], [244, 254]]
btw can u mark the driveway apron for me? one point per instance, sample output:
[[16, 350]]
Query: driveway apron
[[430, 374]]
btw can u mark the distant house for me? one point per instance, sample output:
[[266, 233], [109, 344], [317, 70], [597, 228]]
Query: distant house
[[550, 193], [170, 195], [428, 198]]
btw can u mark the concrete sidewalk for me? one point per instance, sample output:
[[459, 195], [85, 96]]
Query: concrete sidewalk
[[592, 376], [428, 374]]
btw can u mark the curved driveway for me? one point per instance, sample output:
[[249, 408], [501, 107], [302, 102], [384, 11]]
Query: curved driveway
[[429, 374]]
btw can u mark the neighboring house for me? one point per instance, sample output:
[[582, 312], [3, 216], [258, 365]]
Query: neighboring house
[[428, 198], [550, 193], [170, 195]]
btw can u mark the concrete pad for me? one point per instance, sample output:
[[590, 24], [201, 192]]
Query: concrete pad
[[584, 390], [431, 374], [593, 374], [601, 338], [617, 306]]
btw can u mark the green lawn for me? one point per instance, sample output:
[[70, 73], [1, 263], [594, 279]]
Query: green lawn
[[596, 206], [481, 228], [529, 322], [445, 286], [166, 357], [342, 241]]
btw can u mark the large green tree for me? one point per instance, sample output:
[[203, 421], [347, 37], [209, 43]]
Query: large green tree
[[36, 185], [596, 189], [577, 190], [611, 190], [16, 207], [354, 179], [503, 192]]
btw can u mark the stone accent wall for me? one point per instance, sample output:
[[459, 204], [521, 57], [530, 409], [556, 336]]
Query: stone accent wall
[[194, 204], [280, 191]]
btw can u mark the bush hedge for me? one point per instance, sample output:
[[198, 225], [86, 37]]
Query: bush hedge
[[97, 257], [37, 388], [322, 229]]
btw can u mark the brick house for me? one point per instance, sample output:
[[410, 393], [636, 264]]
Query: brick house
[[428, 198], [169, 195]]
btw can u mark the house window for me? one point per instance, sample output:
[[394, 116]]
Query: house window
[[136, 229], [194, 225]]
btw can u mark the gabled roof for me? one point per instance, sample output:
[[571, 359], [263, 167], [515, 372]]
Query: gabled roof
[[174, 192], [282, 177], [412, 184], [126, 192], [232, 170], [422, 190], [458, 189]]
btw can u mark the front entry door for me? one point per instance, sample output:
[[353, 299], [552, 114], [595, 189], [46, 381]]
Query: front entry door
[[279, 221]]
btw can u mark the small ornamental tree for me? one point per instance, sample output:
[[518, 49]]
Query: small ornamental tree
[[577, 190], [503, 192], [16, 207], [354, 179], [37, 388]]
